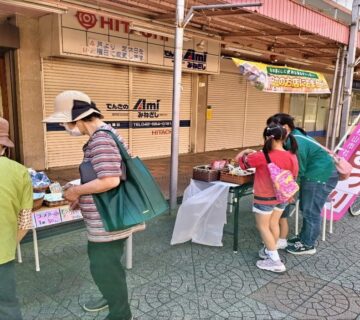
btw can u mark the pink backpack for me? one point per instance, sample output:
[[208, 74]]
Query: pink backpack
[[284, 183]]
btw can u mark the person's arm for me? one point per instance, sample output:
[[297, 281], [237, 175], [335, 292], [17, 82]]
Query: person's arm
[[106, 161], [95, 186], [241, 158], [25, 214], [24, 223], [251, 160]]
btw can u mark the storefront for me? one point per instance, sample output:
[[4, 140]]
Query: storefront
[[128, 75], [239, 110], [124, 59], [311, 112], [9, 41]]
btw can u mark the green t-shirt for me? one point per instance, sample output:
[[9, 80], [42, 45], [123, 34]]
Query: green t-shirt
[[15, 195], [315, 164]]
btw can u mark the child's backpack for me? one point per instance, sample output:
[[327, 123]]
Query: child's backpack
[[284, 183]]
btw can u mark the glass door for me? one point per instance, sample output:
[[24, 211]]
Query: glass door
[[297, 108], [322, 114], [310, 113]]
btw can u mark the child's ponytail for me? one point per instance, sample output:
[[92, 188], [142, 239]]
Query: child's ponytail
[[268, 144], [293, 144]]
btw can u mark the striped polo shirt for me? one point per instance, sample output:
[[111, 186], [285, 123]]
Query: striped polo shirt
[[102, 151]]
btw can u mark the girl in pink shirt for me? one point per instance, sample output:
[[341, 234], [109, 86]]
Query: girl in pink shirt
[[266, 207]]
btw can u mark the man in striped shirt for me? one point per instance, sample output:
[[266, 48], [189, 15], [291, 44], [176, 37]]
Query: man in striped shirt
[[75, 111]]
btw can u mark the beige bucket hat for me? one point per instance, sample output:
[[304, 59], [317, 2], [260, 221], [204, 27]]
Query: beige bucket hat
[[70, 106], [4, 134]]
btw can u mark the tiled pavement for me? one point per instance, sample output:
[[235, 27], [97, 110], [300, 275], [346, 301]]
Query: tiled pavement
[[192, 281]]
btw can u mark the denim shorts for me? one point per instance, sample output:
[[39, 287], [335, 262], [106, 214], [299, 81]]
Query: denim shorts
[[268, 208]]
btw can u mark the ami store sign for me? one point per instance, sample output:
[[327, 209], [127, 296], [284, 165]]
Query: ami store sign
[[87, 34]]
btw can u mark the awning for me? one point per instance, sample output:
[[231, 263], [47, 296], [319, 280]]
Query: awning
[[270, 78]]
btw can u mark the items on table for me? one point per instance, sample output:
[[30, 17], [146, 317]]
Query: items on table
[[223, 170]]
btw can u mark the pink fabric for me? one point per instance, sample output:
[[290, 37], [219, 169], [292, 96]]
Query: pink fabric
[[283, 183]]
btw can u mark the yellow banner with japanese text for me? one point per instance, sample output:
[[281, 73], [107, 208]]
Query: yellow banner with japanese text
[[270, 78]]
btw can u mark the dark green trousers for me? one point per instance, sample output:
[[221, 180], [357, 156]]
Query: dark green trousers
[[9, 304], [109, 275]]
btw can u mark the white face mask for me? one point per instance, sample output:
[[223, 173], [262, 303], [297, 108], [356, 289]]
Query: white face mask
[[73, 132]]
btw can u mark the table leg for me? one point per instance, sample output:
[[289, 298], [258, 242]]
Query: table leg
[[331, 216], [323, 227], [36, 250], [236, 220], [129, 252], [297, 217], [18, 250]]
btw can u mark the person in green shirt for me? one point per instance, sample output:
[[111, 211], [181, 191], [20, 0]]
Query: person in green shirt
[[16, 201], [317, 178]]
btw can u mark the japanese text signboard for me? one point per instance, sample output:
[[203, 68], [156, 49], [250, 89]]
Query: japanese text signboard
[[280, 79], [86, 34]]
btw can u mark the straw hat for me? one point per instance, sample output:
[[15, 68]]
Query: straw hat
[[4, 134], [70, 106]]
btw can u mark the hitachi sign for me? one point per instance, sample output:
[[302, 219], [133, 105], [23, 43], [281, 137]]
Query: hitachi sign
[[90, 20]]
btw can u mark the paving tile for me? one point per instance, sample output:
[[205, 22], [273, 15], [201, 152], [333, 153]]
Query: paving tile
[[349, 278], [250, 309], [150, 296], [179, 309], [80, 292], [288, 291], [332, 302], [42, 307], [325, 265], [349, 245]]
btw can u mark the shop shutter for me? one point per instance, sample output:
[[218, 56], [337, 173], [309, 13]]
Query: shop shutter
[[260, 106], [153, 85], [104, 83], [227, 97]]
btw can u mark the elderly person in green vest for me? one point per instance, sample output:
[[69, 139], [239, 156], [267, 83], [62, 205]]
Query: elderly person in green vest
[[16, 201]]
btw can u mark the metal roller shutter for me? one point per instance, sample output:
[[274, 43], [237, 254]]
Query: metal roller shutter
[[104, 83], [227, 97], [260, 106], [153, 85]]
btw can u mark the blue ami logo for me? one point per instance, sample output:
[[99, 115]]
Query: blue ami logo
[[193, 60]]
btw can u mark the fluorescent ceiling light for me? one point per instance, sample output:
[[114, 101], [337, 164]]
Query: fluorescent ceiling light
[[152, 31], [253, 53], [42, 6], [298, 62]]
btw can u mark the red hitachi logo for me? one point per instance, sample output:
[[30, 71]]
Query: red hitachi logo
[[90, 20]]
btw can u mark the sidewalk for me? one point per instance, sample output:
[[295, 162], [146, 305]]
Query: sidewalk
[[192, 282]]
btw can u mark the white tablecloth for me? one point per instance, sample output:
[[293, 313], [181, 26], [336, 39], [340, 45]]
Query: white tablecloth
[[202, 214]]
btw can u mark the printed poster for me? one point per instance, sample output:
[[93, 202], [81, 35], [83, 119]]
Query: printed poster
[[279, 79]]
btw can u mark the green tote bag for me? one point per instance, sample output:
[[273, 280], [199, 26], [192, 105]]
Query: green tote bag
[[135, 200]]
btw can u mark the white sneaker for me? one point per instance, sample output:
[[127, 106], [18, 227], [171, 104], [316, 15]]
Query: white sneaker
[[263, 254], [282, 245], [271, 265]]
